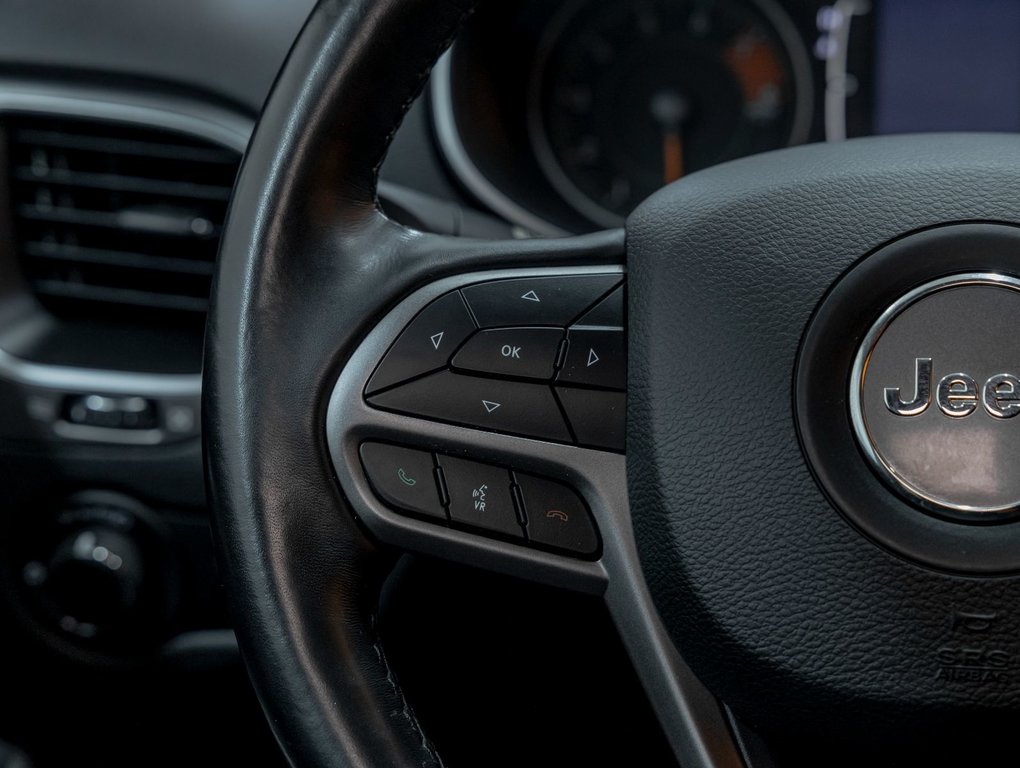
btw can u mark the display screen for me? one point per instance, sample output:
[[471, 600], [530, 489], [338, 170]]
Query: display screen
[[947, 65]]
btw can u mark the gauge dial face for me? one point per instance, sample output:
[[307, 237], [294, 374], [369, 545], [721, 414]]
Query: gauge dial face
[[628, 96]]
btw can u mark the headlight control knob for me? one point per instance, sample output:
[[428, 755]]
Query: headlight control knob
[[96, 577]]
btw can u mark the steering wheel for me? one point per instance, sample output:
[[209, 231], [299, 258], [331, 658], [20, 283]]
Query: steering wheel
[[816, 501]]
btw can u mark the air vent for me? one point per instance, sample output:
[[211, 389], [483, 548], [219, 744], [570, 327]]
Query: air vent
[[111, 219]]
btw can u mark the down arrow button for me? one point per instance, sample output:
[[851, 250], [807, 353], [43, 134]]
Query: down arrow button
[[514, 407]]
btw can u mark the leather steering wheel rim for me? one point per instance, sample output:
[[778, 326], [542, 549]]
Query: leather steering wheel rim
[[308, 264], [302, 577]]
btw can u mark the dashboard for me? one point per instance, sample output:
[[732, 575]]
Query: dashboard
[[122, 126], [563, 116]]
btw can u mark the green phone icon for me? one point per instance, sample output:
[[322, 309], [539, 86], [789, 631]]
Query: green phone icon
[[404, 478]]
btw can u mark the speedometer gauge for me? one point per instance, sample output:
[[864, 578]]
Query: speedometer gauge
[[629, 95]]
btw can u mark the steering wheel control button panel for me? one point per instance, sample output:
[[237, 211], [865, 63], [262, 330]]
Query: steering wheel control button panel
[[555, 301], [596, 357], [426, 344], [528, 353], [503, 446], [518, 356], [935, 391], [480, 496], [501, 406], [556, 516], [403, 478]]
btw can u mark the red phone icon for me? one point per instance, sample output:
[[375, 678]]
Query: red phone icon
[[559, 514]]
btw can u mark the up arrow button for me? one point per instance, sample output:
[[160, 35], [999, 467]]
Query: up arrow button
[[529, 301]]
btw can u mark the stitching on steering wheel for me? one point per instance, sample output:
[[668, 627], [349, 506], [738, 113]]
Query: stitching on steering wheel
[[423, 77], [406, 709]]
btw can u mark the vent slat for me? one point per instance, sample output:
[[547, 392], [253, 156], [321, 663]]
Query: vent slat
[[118, 258], [168, 223], [117, 220], [109, 145], [105, 294], [120, 183]]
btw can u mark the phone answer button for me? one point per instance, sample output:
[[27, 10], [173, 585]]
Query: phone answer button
[[403, 478]]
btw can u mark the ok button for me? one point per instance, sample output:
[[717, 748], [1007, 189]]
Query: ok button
[[529, 353]]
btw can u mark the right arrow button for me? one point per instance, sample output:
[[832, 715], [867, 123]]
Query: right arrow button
[[596, 357]]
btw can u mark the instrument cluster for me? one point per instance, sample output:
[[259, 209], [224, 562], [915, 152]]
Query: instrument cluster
[[562, 117]]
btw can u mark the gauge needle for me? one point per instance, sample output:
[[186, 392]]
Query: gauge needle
[[672, 156], [670, 111]]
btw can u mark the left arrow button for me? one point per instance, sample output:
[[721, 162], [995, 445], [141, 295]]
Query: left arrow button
[[426, 344]]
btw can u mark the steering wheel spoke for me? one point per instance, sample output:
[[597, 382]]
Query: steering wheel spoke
[[453, 433], [455, 428], [482, 416]]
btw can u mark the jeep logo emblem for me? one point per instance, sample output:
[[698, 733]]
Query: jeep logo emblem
[[957, 394], [934, 390]]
